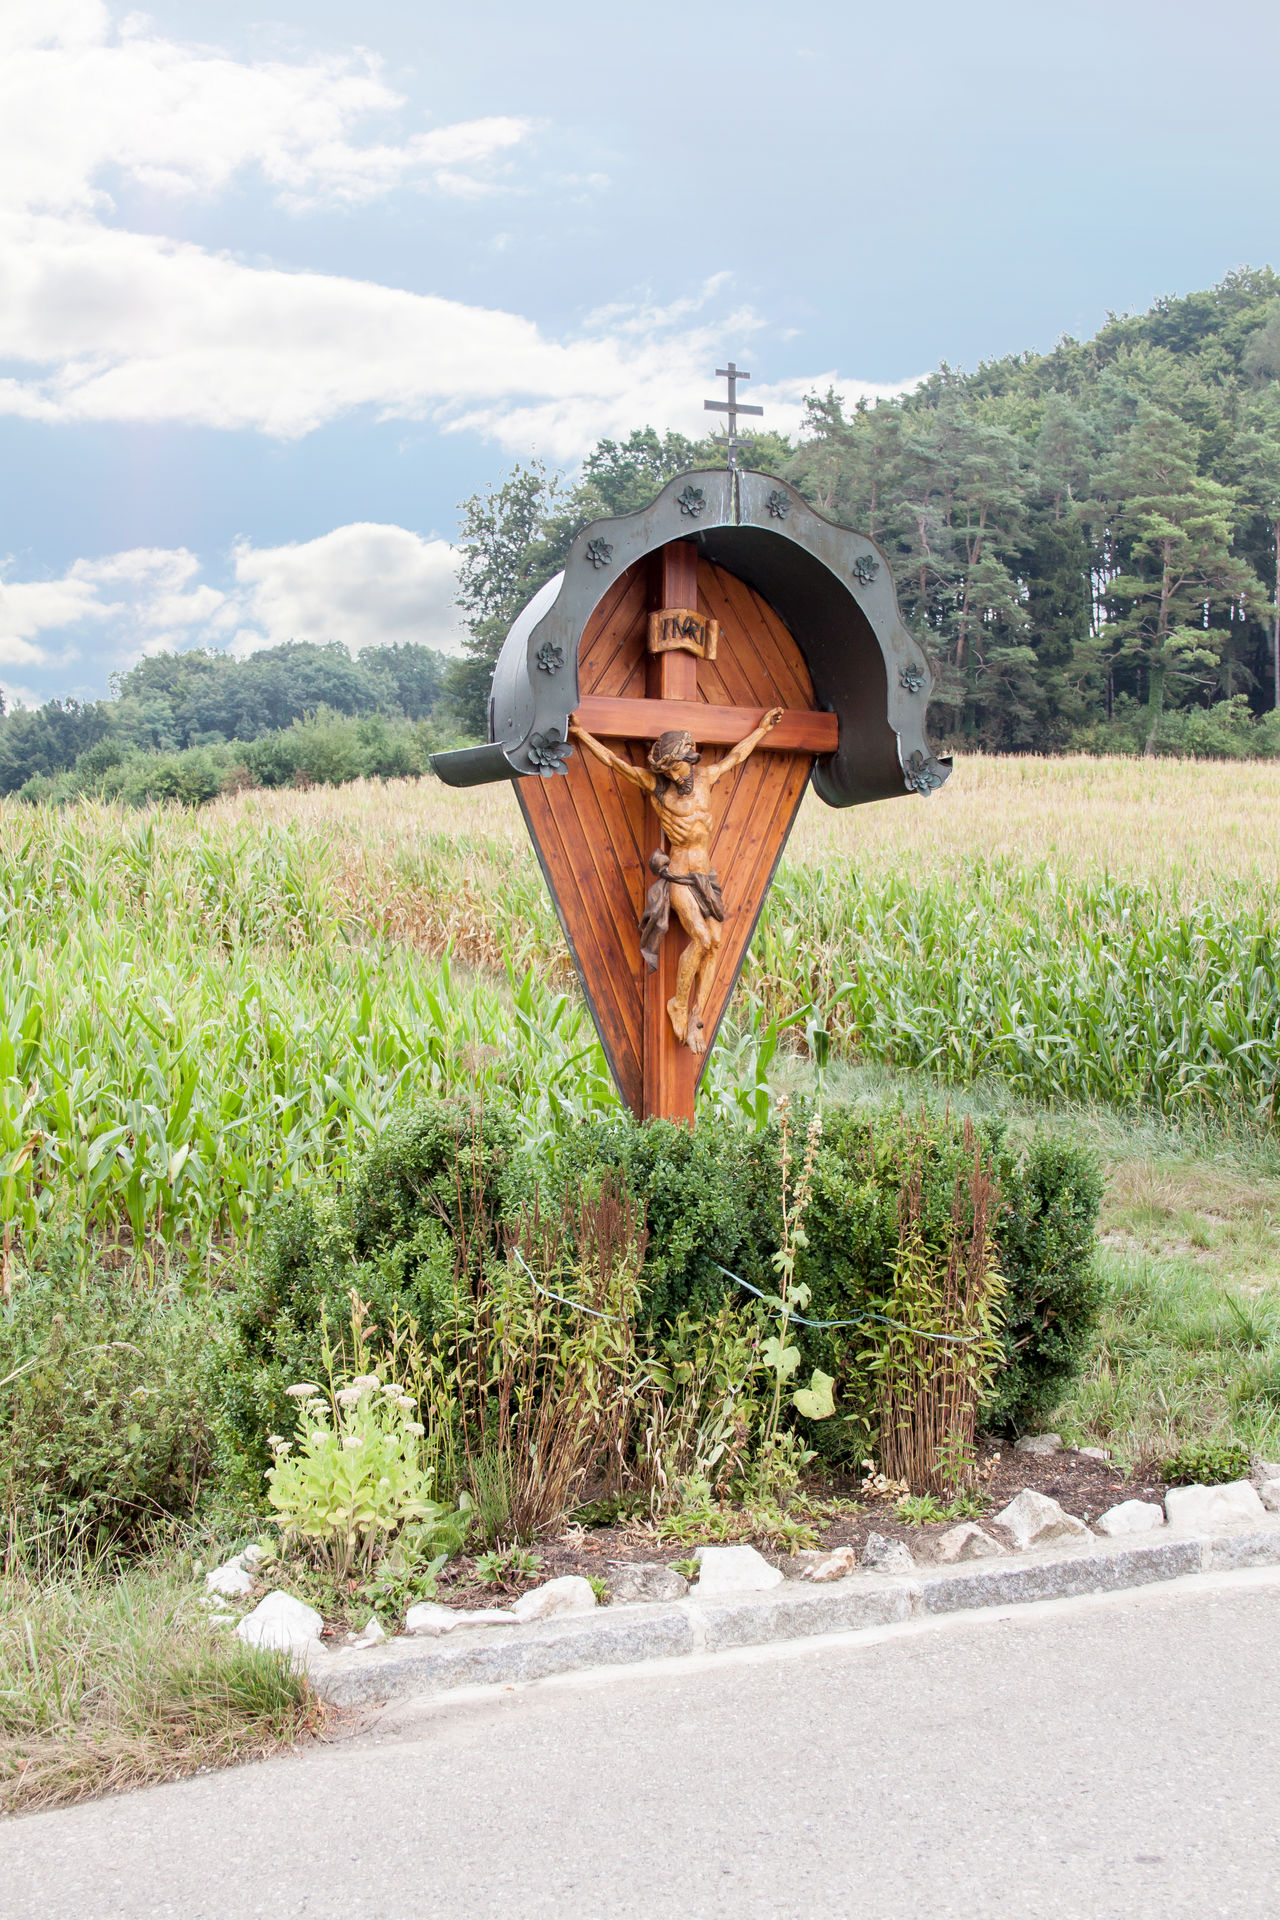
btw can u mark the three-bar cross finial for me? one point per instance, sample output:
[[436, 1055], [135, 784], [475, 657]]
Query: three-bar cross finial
[[733, 407]]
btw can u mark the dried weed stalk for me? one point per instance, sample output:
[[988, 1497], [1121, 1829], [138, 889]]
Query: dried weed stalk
[[937, 1359], [535, 1379]]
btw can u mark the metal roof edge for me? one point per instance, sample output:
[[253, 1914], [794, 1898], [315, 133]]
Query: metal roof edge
[[832, 586]]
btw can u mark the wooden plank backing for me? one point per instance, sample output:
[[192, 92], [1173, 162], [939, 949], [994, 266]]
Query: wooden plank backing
[[594, 832]]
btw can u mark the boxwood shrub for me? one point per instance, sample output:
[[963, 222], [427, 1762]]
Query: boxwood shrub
[[1050, 1193], [711, 1204], [434, 1181]]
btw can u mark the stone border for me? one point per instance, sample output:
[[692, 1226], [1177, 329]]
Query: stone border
[[622, 1635]]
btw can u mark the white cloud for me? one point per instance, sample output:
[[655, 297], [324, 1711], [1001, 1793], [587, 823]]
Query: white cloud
[[144, 599], [76, 97], [108, 325], [28, 608], [137, 329], [365, 585], [14, 694]]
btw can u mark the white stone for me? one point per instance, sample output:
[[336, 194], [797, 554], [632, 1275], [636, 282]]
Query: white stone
[[484, 1617], [428, 1617], [1269, 1494], [1229, 1506], [965, 1542], [1100, 1454], [1033, 1519], [281, 1621], [631, 1580], [230, 1578], [887, 1556], [734, 1570], [1039, 1443], [252, 1558], [222, 1619], [835, 1566], [570, 1594], [370, 1635], [1131, 1516], [1260, 1471]]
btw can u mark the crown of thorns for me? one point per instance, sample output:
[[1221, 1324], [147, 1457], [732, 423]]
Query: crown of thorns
[[670, 747]]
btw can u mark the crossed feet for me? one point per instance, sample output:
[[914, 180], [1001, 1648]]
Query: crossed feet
[[688, 1026]]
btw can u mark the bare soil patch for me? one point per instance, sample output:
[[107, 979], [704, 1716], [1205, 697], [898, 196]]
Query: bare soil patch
[[1084, 1487]]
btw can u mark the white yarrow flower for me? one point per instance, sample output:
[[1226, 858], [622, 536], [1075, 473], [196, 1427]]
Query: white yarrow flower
[[414, 1426], [350, 1441], [301, 1390], [366, 1382], [350, 1396]]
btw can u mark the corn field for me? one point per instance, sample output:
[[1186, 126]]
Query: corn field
[[198, 1010], [192, 1023]]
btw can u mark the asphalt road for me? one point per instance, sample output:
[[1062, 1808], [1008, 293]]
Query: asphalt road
[[1103, 1759]]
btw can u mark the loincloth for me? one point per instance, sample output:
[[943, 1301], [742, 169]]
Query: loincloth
[[705, 888]]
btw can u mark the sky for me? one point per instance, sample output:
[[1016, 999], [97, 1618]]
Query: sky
[[284, 281]]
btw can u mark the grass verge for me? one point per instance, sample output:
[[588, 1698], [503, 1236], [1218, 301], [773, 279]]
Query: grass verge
[[112, 1679]]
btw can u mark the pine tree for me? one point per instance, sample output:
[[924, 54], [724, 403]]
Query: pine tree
[[1258, 466], [1177, 525]]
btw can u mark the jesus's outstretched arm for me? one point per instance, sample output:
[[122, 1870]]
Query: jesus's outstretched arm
[[638, 776], [736, 755]]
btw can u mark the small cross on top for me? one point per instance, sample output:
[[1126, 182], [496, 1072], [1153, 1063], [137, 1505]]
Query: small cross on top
[[733, 407]]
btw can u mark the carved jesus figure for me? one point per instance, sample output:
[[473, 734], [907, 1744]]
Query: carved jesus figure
[[679, 788]]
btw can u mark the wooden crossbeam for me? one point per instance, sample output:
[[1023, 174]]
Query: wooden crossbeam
[[798, 731]]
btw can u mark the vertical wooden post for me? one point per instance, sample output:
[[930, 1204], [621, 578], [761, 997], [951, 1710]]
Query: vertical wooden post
[[670, 1071]]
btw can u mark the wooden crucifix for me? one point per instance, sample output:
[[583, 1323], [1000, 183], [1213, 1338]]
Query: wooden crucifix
[[661, 706], [703, 858]]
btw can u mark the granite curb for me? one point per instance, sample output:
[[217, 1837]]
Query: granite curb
[[623, 1635]]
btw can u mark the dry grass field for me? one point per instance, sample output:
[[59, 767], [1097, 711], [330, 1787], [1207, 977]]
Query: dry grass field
[[1195, 826]]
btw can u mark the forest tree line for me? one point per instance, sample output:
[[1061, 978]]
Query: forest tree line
[[1084, 541], [188, 726]]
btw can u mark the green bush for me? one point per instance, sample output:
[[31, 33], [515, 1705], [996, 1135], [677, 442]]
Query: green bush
[[1205, 1463], [324, 749], [190, 778], [93, 765], [710, 1199], [1052, 1190], [103, 1417], [41, 790], [392, 1238], [328, 749], [1050, 1193], [1225, 730]]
